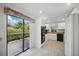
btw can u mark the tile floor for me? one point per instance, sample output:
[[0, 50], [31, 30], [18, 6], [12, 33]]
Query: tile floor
[[50, 48]]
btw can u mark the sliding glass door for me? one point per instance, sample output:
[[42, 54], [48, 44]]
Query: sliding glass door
[[15, 35], [26, 34]]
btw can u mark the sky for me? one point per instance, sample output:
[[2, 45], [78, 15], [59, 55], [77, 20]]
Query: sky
[[12, 20]]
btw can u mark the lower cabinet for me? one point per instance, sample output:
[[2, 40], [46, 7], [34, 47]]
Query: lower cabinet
[[51, 36], [57, 36], [60, 37]]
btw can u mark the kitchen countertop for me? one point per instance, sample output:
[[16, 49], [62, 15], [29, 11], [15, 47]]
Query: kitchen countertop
[[55, 33]]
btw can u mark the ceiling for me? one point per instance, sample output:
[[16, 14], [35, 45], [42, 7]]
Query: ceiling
[[49, 12]]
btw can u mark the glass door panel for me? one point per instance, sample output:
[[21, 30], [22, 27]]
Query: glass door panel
[[15, 35], [26, 34]]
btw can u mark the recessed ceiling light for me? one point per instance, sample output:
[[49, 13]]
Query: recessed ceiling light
[[68, 3], [40, 12], [63, 19]]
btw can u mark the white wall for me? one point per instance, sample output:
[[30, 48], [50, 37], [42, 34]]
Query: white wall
[[35, 34], [76, 34], [72, 48], [72, 35], [38, 33], [69, 36], [3, 34], [32, 35], [76, 31]]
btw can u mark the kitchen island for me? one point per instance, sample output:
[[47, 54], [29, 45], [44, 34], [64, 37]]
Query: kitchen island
[[58, 36]]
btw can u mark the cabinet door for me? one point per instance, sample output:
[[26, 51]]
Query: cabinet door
[[59, 37]]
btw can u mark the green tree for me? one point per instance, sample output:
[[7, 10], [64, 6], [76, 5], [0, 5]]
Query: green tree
[[19, 25]]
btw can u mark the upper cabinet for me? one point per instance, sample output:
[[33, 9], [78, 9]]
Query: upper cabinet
[[61, 25]]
